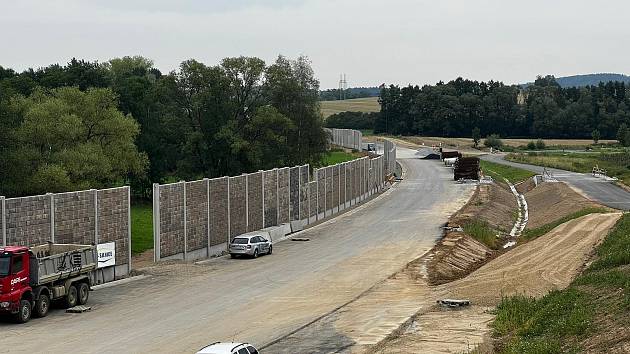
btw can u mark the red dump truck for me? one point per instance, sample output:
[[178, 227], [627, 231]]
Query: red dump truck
[[31, 278]]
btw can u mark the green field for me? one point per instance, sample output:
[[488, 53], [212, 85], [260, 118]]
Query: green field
[[498, 172], [141, 227], [616, 163], [596, 304], [369, 104], [336, 156]]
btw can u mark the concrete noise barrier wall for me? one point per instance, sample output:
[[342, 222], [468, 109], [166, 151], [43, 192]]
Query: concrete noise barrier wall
[[389, 154], [347, 138], [194, 220], [82, 217]]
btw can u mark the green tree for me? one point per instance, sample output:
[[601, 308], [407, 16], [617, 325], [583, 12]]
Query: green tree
[[596, 136], [622, 134], [476, 135], [540, 144], [68, 140]]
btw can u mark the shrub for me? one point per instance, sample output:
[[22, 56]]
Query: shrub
[[531, 145], [540, 144], [494, 141]]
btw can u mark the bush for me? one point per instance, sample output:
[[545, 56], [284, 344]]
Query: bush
[[531, 145], [540, 144], [494, 141]]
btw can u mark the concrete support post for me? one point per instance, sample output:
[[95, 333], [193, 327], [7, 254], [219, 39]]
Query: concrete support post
[[229, 228], [156, 222], [300, 193], [207, 216], [262, 186], [246, 203], [95, 193], [325, 190], [339, 187], [128, 229], [277, 197], [289, 195], [316, 176], [345, 185], [52, 216], [3, 220], [185, 220]]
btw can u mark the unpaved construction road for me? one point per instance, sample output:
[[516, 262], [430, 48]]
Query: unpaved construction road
[[183, 307]]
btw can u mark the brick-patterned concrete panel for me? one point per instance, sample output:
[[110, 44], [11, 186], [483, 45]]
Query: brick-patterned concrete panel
[[294, 196], [335, 182], [171, 219], [113, 221], [283, 195], [271, 197], [357, 179], [342, 180], [304, 179], [255, 197], [321, 185], [349, 179], [75, 217], [329, 188], [196, 215], [28, 220], [312, 192], [218, 211], [238, 207]]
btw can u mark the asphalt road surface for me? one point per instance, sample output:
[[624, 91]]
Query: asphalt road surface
[[597, 189], [182, 307]]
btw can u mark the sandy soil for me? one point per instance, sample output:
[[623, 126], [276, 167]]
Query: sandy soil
[[491, 203], [551, 201], [549, 262]]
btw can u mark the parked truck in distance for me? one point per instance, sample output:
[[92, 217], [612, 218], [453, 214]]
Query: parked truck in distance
[[31, 278]]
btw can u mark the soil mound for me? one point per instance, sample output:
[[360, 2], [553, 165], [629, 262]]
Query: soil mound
[[551, 201], [455, 256], [491, 203]]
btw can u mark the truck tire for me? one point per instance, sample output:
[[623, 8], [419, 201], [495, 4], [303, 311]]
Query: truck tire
[[84, 293], [42, 305], [24, 312], [71, 297]]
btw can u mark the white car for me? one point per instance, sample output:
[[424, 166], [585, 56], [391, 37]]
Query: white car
[[228, 348], [250, 245]]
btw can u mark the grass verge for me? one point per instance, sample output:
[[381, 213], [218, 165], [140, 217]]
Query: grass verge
[[336, 156], [141, 227], [530, 234], [481, 231], [593, 311], [498, 172], [616, 164]]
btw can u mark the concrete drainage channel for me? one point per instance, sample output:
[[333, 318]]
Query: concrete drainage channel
[[521, 220]]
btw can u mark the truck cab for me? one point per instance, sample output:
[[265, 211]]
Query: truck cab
[[15, 281]]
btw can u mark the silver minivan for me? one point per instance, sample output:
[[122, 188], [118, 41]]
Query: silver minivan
[[250, 245]]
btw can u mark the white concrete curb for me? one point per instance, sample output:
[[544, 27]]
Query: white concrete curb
[[120, 282]]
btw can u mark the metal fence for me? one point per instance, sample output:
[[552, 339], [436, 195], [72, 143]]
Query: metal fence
[[83, 217]]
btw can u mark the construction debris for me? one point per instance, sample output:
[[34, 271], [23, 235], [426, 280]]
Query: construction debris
[[466, 168], [79, 309], [453, 303], [300, 239]]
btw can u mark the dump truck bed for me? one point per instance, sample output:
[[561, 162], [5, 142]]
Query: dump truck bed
[[53, 262]]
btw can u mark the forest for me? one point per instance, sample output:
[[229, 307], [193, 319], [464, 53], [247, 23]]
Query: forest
[[542, 110], [94, 125]]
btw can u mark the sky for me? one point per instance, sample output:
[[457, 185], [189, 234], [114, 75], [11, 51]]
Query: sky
[[372, 42]]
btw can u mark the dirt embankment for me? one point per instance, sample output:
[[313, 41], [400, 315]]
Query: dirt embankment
[[549, 202], [458, 254]]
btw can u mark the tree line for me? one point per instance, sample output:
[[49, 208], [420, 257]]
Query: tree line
[[542, 110], [93, 125]]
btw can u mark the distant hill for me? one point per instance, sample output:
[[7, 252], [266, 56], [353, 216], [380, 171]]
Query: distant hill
[[588, 80]]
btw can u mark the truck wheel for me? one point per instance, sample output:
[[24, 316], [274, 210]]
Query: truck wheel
[[42, 305], [71, 297], [24, 312], [84, 293], [232, 255]]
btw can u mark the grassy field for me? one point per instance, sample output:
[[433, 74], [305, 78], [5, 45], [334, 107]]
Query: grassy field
[[482, 232], [141, 227], [593, 310], [498, 172], [369, 104], [336, 156], [616, 164]]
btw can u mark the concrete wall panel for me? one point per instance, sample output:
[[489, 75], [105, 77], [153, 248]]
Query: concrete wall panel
[[171, 219], [255, 201], [294, 200], [271, 197], [113, 221], [196, 215], [238, 206], [28, 220], [218, 211], [283, 195]]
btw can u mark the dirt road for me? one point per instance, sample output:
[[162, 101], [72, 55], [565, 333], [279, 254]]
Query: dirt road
[[184, 307]]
